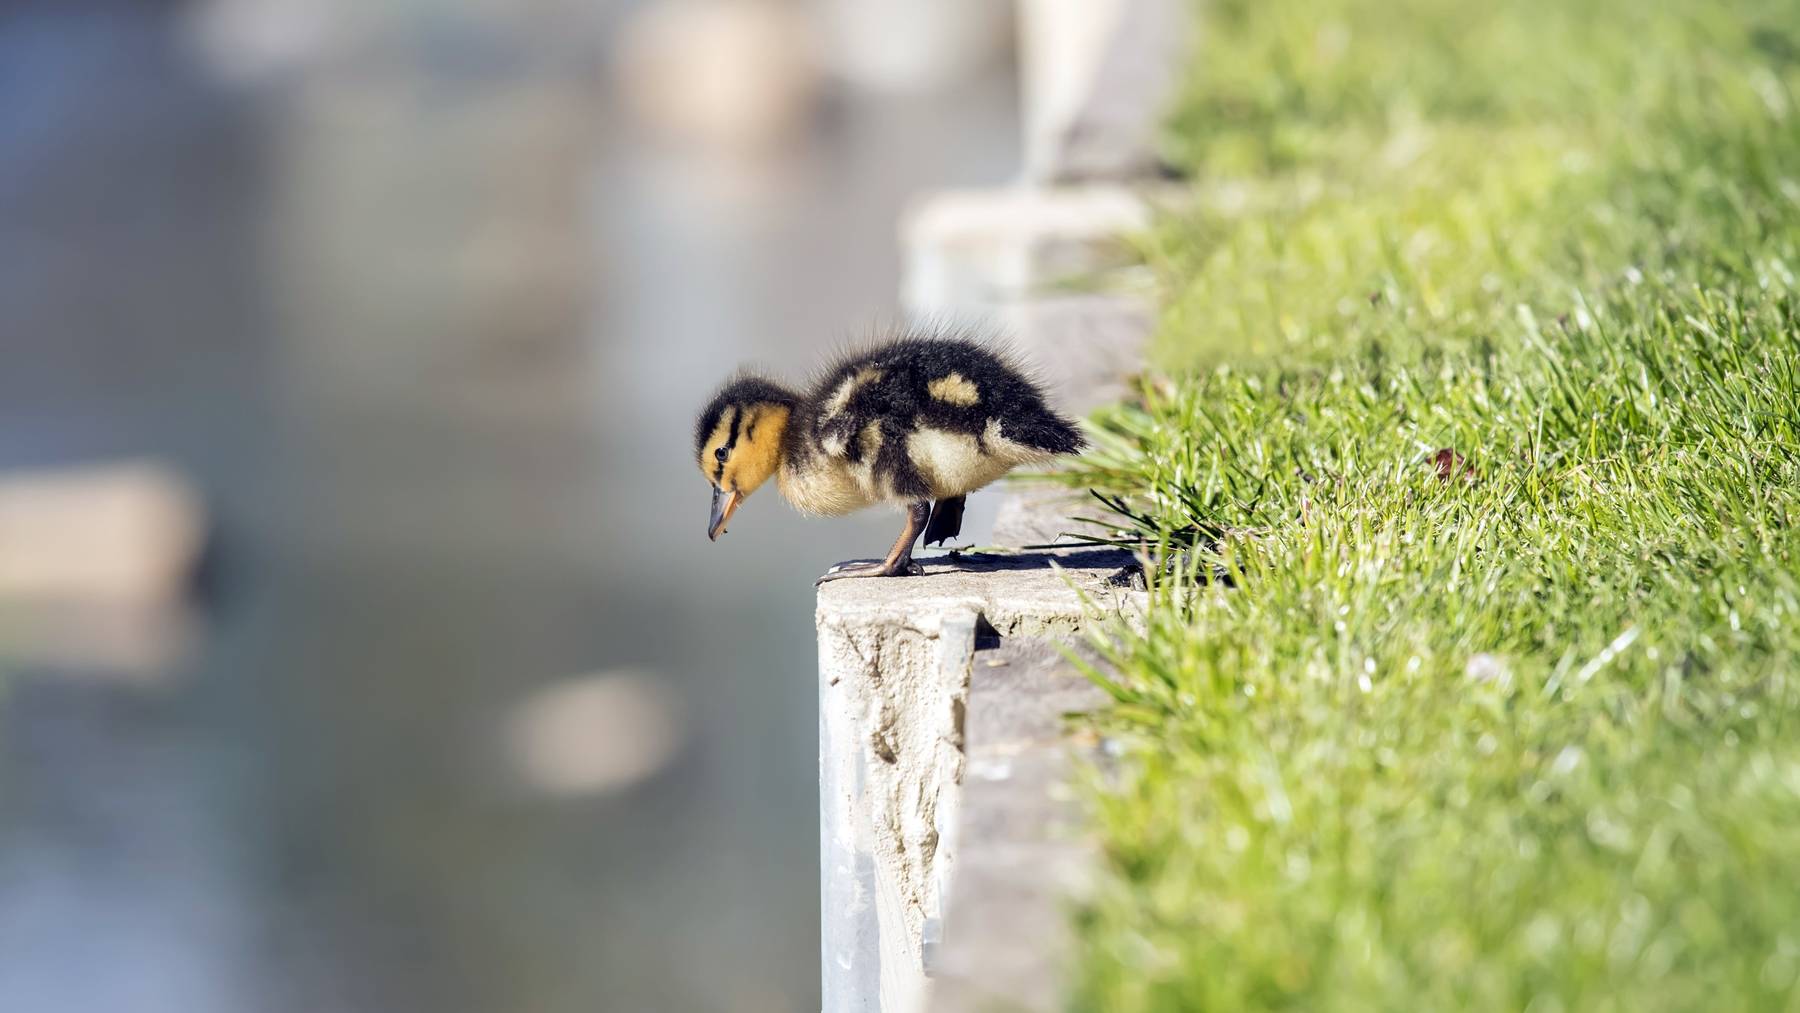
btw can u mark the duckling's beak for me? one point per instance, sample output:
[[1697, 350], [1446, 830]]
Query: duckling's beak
[[723, 506]]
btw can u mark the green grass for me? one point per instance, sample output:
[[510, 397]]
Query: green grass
[[1525, 735]]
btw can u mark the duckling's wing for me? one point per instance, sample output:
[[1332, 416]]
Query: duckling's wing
[[965, 385], [863, 411]]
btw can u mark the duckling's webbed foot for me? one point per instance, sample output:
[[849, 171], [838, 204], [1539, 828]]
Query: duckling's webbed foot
[[909, 569], [899, 561]]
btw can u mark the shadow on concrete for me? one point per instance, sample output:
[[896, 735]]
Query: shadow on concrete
[[1076, 557]]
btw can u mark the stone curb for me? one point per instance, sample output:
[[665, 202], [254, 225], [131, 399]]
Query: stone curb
[[1023, 856]]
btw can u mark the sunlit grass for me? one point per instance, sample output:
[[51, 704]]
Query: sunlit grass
[[1514, 728]]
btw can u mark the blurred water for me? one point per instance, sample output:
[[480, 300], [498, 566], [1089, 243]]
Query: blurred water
[[428, 329]]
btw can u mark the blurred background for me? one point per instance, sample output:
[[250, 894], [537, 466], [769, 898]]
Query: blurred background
[[361, 645]]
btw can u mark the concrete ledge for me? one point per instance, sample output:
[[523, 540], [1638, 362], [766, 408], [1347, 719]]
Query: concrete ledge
[[896, 661], [1018, 594]]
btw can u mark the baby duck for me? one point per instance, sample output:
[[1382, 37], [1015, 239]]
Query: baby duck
[[919, 421]]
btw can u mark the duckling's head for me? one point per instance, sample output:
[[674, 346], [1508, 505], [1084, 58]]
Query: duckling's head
[[737, 442]]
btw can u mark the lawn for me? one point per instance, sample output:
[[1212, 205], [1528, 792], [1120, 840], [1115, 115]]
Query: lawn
[[1472, 472]]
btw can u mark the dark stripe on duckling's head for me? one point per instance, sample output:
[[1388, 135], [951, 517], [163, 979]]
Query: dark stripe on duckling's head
[[743, 392], [722, 452]]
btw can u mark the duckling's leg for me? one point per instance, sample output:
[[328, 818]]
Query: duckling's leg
[[899, 561], [946, 520]]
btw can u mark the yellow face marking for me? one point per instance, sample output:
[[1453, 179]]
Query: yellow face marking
[[954, 389], [752, 448], [758, 450]]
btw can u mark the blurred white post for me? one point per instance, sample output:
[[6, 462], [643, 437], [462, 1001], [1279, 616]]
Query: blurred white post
[[1097, 80], [97, 563], [904, 46], [128, 531]]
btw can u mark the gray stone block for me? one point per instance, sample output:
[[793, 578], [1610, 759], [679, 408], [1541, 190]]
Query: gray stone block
[[967, 251], [1023, 853], [1087, 347]]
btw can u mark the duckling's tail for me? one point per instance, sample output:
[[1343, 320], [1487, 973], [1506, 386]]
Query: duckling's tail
[[1044, 430]]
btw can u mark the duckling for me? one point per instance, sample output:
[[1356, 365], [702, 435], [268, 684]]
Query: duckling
[[919, 420]]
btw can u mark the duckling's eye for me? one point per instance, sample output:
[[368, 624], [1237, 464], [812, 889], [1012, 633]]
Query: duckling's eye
[[720, 455]]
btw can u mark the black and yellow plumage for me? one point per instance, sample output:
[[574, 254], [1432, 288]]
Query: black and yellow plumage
[[919, 421]]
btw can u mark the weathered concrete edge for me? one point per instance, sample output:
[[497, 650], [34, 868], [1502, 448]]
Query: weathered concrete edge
[[883, 773], [896, 660]]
